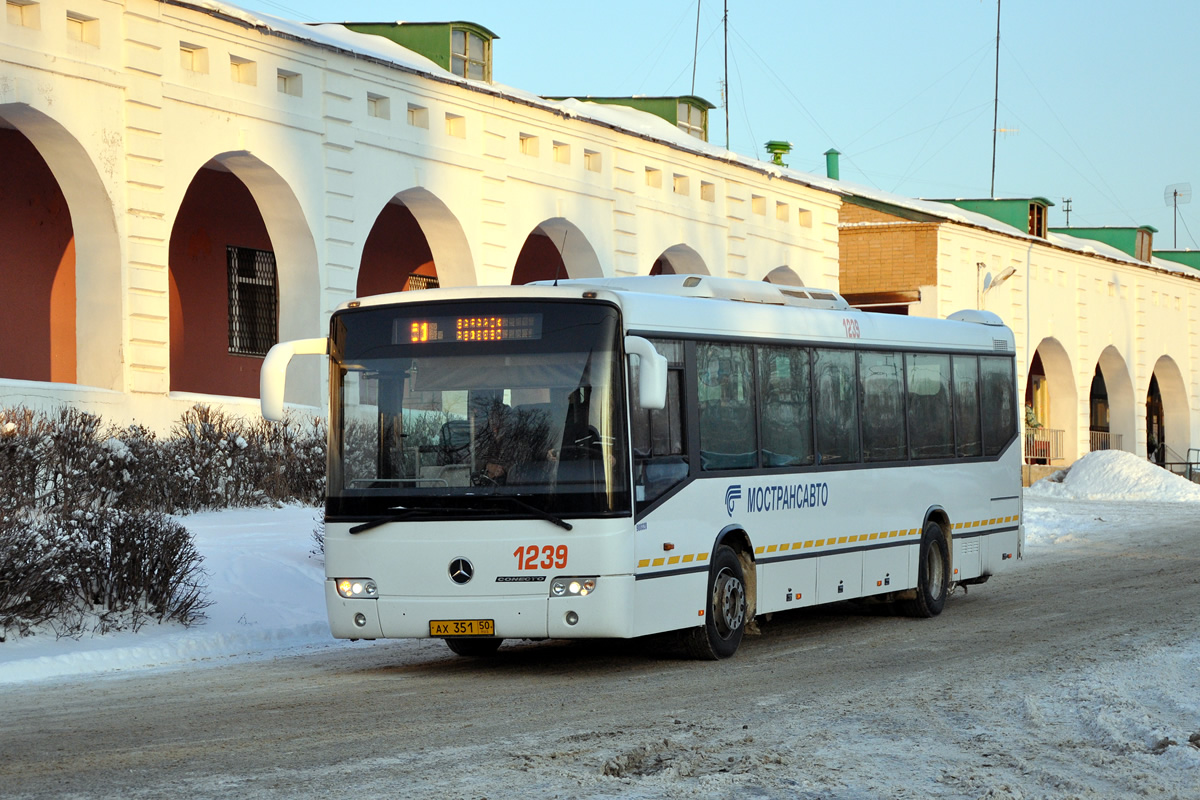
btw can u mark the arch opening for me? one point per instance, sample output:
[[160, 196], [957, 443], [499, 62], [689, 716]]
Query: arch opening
[[1050, 406], [61, 260], [679, 259], [242, 276]]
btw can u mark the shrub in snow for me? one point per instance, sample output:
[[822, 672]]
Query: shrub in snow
[[84, 540], [123, 568], [32, 585]]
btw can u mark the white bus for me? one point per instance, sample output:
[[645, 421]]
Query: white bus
[[629, 456]]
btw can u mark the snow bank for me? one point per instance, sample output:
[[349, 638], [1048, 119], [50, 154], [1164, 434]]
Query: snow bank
[[1116, 475]]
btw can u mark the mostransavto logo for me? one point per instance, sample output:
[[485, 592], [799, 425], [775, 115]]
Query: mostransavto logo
[[732, 494]]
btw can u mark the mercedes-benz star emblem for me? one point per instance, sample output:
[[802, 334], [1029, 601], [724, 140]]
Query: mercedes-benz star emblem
[[461, 570]]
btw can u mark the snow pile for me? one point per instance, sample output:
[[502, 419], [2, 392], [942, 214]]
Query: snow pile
[[1116, 475]]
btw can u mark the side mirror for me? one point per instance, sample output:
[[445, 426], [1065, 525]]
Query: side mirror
[[273, 374], [652, 372]]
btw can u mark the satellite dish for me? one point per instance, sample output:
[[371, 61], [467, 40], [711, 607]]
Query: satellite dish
[[1178, 194], [1175, 195]]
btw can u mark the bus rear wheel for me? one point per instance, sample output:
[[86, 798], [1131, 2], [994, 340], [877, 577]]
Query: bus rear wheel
[[475, 648], [725, 609], [933, 574]]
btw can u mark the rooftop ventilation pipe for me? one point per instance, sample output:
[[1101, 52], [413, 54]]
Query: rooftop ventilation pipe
[[831, 164], [778, 149]]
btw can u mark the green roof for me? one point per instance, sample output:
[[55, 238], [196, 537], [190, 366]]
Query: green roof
[[1189, 258], [1124, 239], [664, 107], [430, 39], [1012, 211]]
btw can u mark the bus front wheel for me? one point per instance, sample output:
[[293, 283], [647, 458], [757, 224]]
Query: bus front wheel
[[478, 648], [933, 574], [725, 609]]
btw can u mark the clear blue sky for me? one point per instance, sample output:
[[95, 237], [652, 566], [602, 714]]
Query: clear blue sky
[[1101, 97]]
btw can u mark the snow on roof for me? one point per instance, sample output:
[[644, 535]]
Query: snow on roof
[[647, 126]]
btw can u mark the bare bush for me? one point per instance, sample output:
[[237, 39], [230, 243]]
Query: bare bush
[[84, 540]]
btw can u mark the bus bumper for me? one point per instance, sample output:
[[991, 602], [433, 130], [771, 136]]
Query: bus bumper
[[606, 613]]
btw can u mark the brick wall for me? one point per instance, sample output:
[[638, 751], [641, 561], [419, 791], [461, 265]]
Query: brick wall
[[888, 258]]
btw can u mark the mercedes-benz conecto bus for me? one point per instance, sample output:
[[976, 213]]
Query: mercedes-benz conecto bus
[[629, 456]]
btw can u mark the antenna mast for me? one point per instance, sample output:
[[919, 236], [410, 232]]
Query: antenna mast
[[996, 104], [1067, 208], [1175, 194], [725, 22]]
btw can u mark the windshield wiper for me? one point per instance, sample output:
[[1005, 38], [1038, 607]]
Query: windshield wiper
[[397, 513], [537, 512], [401, 512]]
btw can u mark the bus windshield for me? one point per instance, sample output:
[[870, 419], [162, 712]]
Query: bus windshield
[[468, 406]]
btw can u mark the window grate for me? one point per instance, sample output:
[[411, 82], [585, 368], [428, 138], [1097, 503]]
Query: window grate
[[253, 301], [417, 282]]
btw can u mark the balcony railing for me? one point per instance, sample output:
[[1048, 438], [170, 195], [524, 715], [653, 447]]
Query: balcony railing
[[1043, 445], [1103, 440]]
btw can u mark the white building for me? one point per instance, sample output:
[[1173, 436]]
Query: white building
[[188, 182]]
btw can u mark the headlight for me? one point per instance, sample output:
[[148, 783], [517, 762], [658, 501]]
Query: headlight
[[356, 587], [572, 587]]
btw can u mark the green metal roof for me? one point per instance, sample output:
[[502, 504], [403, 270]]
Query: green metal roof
[[1012, 211]]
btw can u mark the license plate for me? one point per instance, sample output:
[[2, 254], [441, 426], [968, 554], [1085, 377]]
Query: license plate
[[462, 627]]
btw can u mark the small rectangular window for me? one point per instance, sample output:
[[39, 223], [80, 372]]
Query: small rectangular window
[[243, 70], [804, 216], [529, 145], [562, 153], [290, 83], [725, 388], [881, 392], [786, 407], [418, 116], [692, 120], [83, 28], [653, 178], [781, 211], [930, 426], [681, 184], [469, 57], [835, 397], [193, 57], [758, 204], [24, 13], [253, 301], [591, 161], [966, 407], [378, 106], [708, 191], [456, 126]]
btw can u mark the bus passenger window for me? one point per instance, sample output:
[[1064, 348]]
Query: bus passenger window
[[659, 446], [785, 407], [882, 390], [999, 403], [835, 388], [725, 387], [929, 423], [966, 407]]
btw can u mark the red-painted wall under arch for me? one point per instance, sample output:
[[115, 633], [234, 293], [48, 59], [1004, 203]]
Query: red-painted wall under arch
[[218, 210], [37, 268]]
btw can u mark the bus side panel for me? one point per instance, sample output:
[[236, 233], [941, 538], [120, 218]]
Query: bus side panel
[[839, 577], [966, 558], [669, 603], [787, 584], [887, 569]]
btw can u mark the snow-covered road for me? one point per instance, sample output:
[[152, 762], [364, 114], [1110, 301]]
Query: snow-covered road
[[1075, 675]]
